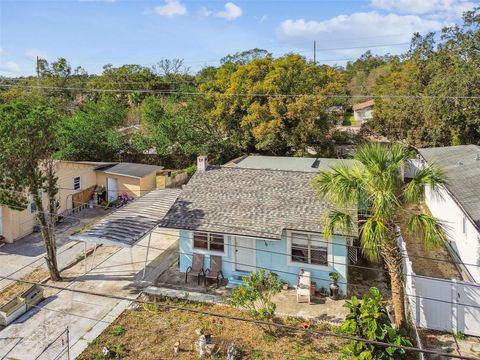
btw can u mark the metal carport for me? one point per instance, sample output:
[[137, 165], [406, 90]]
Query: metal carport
[[129, 224]]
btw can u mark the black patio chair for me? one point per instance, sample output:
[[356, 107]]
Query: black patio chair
[[197, 268]]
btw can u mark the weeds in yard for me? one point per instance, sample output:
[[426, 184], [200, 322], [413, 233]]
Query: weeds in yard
[[118, 330], [99, 341]]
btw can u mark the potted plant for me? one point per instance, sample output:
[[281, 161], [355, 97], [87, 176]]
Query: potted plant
[[334, 288]]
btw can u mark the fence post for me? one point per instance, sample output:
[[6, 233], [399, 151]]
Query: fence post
[[454, 306], [68, 343]]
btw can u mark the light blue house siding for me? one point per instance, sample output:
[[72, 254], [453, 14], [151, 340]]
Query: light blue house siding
[[272, 255]]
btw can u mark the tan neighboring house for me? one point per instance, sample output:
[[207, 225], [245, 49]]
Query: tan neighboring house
[[363, 111], [77, 182]]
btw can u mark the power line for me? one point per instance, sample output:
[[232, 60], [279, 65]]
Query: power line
[[193, 93], [237, 318], [292, 237]]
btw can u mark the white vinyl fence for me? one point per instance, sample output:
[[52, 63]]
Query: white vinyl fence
[[441, 304]]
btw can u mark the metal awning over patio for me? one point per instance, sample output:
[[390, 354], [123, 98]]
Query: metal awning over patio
[[131, 223]]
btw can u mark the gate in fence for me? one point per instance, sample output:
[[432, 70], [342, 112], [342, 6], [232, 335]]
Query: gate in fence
[[58, 349]]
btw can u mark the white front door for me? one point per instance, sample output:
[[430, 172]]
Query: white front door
[[112, 188], [245, 254]]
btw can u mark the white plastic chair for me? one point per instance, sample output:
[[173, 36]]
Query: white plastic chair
[[303, 286]]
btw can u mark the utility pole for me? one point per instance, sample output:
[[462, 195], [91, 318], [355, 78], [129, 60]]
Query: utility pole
[[314, 52], [38, 73]]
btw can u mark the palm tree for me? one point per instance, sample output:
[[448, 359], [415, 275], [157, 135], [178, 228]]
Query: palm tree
[[376, 182]]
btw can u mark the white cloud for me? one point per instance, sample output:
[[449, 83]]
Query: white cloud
[[231, 11], [347, 28], [171, 8], [2, 52], [438, 8], [31, 54], [9, 67]]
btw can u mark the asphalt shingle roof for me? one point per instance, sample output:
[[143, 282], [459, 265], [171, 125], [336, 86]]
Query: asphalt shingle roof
[[125, 226], [131, 169], [248, 202], [461, 165]]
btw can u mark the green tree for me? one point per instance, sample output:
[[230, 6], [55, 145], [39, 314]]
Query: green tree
[[257, 294], [368, 319], [91, 133], [255, 121], [28, 133], [375, 180]]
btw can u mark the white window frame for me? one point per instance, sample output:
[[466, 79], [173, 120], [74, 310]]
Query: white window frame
[[208, 251], [79, 183], [290, 262]]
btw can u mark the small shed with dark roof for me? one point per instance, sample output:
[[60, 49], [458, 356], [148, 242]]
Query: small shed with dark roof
[[127, 178]]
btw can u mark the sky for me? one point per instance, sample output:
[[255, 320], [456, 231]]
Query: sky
[[92, 33]]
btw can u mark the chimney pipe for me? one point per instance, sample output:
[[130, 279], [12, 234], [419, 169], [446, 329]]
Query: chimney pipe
[[202, 163]]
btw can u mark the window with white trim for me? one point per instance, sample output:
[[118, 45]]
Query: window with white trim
[[77, 184], [308, 249], [208, 241]]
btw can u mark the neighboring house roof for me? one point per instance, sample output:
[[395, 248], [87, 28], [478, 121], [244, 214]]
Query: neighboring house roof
[[304, 164], [248, 202], [461, 165], [130, 169], [125, 226], [363, 105]]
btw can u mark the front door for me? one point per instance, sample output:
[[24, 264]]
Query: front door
[[245, 254], [112, 189]]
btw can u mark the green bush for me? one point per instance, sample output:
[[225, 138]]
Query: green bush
[[368, 319], [257, 293]]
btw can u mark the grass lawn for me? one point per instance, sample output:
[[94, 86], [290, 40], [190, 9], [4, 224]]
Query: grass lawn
[[151, 333]]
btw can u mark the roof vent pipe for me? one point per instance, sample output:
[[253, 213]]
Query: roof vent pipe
[[477, 157]]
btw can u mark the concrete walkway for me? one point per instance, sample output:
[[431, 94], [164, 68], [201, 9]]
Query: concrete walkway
[[86, 315], [27, 254]]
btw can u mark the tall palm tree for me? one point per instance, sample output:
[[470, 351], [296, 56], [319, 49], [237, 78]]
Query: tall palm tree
[[376, 182]]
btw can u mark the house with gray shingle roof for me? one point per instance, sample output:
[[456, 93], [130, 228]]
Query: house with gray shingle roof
[[259, 212], [457, 204]]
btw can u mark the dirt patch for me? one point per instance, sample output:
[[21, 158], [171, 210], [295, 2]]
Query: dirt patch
[[143, 334], [17, 288], [435, 262]]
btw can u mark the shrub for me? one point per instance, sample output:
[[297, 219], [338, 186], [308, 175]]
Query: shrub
[[257, 293], [368, 319]]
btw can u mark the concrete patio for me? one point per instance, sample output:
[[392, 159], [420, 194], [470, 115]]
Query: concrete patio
[[171, 283]]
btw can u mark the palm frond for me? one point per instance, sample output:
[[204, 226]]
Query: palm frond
[[385, 203], [372, 235], [337, 221], [432, 231], [341, 185], [433, 176]]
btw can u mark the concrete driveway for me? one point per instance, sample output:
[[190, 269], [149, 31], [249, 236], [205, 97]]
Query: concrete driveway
[[25, 255], [116, 271]]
